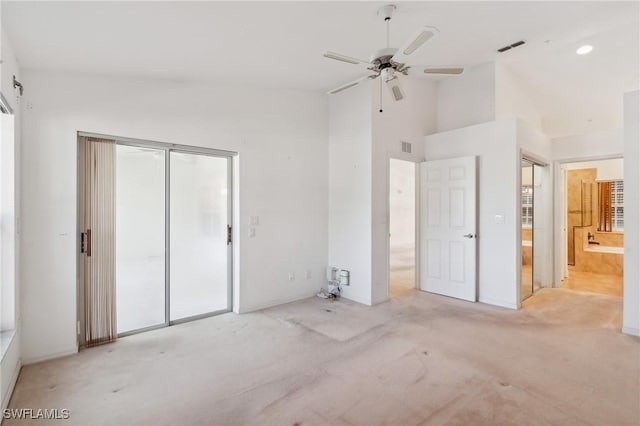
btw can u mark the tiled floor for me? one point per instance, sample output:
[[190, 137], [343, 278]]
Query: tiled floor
[[593, 283]]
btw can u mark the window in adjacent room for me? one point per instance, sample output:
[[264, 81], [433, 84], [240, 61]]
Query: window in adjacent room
[[527, 206], [611, 206]]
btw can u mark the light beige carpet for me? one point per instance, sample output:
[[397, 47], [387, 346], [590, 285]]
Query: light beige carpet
[[419, 359], [401, 270]]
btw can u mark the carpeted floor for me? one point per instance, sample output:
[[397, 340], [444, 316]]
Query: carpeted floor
[[418, 359], [402, 277]]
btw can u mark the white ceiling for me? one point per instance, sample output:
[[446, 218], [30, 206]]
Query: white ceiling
[[280, 44]]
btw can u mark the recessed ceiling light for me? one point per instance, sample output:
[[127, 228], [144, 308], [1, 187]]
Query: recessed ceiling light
[[583, 50]]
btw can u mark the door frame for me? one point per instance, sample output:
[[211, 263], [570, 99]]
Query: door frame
[[560, 270], [535, 160], [533, 218], [167, 148]]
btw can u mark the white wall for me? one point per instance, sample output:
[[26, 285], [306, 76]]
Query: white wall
[[281, 137], [350, 188], [11, 150], [466, 99], [510, 98], [592, 145], [402, 200], [498, 187], [631, 303]]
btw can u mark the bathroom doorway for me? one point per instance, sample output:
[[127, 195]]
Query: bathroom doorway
[[402, 227], [593, 231], [535, 225]]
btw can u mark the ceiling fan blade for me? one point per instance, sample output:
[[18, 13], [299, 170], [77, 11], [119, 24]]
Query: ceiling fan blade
[[395, 89], [349, 85], [421, 37], [449, 71], [344, 58]]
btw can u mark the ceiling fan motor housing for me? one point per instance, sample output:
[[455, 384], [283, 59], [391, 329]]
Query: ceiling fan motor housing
[[383, 55], [386, 11]]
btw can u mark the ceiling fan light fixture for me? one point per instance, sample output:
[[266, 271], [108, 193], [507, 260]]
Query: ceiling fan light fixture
[[421, 39], [387, 75], [388, 62]]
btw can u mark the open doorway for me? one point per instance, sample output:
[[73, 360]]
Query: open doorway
[[589, 252], [594, 226], [402, 228]]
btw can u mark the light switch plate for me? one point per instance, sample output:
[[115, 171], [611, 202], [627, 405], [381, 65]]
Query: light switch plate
[[254, 220], [499, 219]]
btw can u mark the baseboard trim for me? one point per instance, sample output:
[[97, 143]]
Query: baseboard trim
[[272, 303], [500, 303], [35, 360], [631, 331], [12, 385], [362, 302]]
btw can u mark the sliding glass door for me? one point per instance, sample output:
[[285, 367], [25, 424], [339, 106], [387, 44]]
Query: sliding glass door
[[172, 257], [140, 237], [199, 251]]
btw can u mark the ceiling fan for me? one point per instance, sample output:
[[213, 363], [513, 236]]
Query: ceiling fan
[[387, 64]]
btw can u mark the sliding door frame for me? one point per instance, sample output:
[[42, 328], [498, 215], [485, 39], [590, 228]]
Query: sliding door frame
[[167, 148]]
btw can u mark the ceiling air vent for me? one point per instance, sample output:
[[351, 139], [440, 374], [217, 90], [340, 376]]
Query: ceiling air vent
[[511, 46], [406, 147]]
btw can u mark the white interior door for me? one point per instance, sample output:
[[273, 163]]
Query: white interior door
[[448, 227]]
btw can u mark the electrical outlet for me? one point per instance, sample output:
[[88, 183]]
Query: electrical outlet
[[292, 276]]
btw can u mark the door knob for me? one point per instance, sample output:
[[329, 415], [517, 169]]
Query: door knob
[[469, 236]]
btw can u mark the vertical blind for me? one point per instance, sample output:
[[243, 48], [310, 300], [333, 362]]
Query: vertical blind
[[99, 262], [604, 207]]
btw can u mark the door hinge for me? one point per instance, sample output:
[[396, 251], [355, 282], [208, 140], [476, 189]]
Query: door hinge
[[229, 234]]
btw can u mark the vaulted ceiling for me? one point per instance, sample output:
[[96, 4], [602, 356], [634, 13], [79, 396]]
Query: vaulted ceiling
[[279, 44]]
